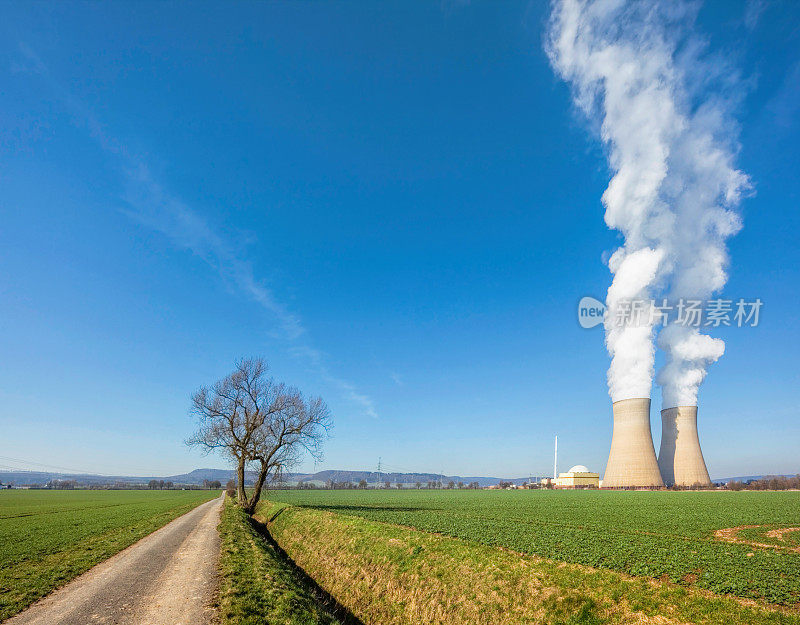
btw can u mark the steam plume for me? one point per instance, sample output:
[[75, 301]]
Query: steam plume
[[632, 67]]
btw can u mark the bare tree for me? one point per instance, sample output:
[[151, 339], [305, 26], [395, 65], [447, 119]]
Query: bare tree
[[259, 424]]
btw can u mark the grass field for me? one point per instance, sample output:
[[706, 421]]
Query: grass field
[[49, 537], [386, 574], [663, 535]]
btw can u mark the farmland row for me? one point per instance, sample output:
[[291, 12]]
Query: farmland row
[[662, 535], [392, 575]]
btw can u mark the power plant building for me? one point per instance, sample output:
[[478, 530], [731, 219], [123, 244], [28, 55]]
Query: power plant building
[[578, 477]]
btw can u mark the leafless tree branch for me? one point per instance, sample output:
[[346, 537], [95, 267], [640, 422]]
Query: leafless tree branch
[[258, 423]]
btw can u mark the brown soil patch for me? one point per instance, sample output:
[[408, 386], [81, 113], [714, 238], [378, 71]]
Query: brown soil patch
[[731, 535], [780, 534]]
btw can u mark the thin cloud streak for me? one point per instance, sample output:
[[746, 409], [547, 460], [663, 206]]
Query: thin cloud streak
[[156, 209], [348, 390], [150, 205]]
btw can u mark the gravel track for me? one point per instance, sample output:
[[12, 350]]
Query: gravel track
[[167, 578]]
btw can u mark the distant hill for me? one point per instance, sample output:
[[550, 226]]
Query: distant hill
[[748, 478], [320, 478], [193, 478], [40, 478], [373, 477], [197, 476]]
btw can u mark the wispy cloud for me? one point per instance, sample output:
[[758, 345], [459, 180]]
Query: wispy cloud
[[317, 360], [783, 107], [752, 13], [150, 204]]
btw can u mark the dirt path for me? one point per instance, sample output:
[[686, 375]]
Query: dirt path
[[731, 535], [167, 578]]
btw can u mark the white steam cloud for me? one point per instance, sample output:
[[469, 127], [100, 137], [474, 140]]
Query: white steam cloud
[[636, 73]]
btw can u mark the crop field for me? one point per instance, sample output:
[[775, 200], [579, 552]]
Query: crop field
[[49, 537], [737, 543]]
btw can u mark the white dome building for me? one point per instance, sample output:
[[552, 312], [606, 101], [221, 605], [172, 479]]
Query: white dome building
[[578, 477]]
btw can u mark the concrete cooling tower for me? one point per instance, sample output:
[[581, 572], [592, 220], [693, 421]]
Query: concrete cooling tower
[[680, 458], [632, 461]]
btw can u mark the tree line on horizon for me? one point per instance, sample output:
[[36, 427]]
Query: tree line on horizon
[[385, 485], [770, 482]]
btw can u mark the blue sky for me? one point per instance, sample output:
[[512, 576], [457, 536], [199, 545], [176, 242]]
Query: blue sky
[[395, 203]]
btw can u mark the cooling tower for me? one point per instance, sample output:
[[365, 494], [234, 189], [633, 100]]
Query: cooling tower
[[632, 461], [680, 458]]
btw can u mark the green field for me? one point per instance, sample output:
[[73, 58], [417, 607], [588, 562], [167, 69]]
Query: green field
[[666, 535], [49, 537], [385, 574]]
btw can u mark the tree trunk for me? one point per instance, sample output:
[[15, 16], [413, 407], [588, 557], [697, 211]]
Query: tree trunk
[[250, 508], [241, 493]]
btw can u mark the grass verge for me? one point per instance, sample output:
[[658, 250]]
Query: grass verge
[[257, 584], [392, 575]]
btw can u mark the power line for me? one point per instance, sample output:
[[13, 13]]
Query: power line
[[45, 465]]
